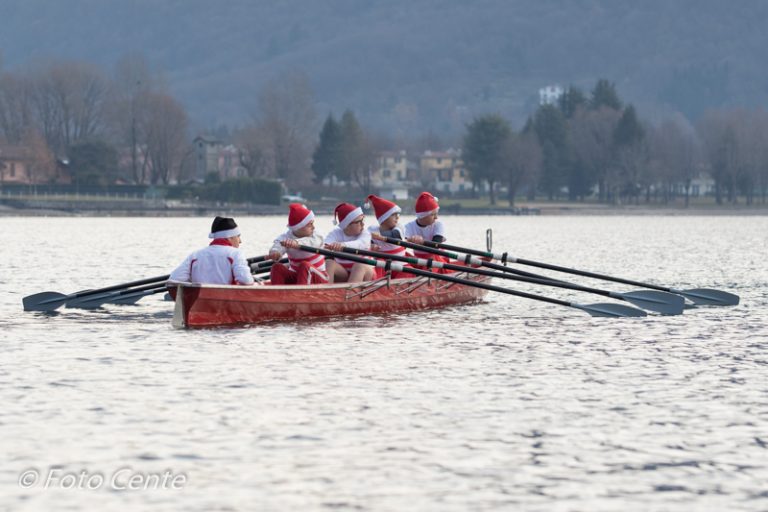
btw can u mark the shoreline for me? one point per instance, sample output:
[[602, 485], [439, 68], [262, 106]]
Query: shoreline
[[264, 210]]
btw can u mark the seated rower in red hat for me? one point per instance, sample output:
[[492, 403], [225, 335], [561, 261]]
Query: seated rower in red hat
[[426, 226], [303, 267], [219, 263], [388, 215], [349, 232]]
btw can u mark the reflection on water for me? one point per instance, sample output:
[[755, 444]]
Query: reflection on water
[[500, 405]]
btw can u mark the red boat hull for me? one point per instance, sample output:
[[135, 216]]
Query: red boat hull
[[214, 305]]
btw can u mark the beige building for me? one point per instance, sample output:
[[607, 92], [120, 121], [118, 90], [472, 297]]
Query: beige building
[[391, 176], [443, 171]]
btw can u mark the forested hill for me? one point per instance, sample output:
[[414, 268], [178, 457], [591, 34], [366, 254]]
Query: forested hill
[[414, 65]]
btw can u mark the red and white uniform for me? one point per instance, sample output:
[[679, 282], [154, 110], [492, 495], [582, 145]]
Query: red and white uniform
[[219, 263], [362, 241], [303, 267], [397, 250]]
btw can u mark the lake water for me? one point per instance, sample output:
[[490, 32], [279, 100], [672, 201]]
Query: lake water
[[505, 405]]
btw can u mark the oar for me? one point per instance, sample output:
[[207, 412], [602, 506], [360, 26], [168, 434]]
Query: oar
[[49, 301], [469, 260], [132, 295], [603, 310], [94, 301], [661, 302], [699, 296]]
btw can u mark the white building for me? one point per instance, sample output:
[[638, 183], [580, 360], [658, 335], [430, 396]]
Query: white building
[[550, 94]]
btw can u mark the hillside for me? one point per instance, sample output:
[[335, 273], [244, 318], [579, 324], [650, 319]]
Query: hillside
[[411, 65]]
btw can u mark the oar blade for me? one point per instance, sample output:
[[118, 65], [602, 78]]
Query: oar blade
[[44, 301], [709, 297], [611, 310], [660, 302]]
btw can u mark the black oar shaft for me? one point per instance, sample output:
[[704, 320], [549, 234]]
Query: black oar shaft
[[547, 266], [260, 267], [476, 252], [441, 277], [469, 260], [140, 282], [704, 296], [479, 271]]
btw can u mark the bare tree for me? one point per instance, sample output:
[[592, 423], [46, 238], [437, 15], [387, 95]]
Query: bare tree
[[632, 164], [761, 129], [288, 122], [521, 154], [15, 108], [592, 142], [720, 136], [68, 100], [677, 155], [128, 108], [41, 165], [751, 151], [253, 151], [166, 137]]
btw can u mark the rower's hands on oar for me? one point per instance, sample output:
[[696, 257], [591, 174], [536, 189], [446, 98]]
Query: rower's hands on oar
[[335, 246], [274, 255], [377, 236], [290, 244], [416, 239]]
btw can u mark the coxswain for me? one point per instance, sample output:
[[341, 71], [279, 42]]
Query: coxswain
[[219, 263], [303, 267], [349, 232]]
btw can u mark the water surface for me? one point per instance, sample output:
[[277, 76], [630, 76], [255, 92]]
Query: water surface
[[508, 404]]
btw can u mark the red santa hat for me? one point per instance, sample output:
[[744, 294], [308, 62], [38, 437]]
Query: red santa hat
[[426, 203], [299, 216], [345, 213], [223, 227], [384, 209]]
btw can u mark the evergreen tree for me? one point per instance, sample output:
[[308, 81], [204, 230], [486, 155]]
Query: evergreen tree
[[631, 153], [483, 152], [628, 131], [571, 100], [355, 152], [93, 163], [327, 157], [550, 127], [604, 95]]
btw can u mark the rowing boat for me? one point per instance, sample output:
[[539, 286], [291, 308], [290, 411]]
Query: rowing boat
[[205, 305]]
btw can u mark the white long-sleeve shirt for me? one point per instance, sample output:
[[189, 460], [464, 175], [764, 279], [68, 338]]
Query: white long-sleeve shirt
[[297, 255], [362, 241], [426, 232], [215, 264]]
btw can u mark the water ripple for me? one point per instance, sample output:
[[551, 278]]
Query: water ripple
[[507, 404]]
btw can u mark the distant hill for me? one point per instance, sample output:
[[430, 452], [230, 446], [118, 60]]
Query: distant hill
[[412, 65]]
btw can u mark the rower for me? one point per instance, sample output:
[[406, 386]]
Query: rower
[[219, 263], [303, 267], [388, 215], [426, 226], [349, 232]]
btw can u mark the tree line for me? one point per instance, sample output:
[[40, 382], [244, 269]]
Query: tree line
[[594, 144], [126, 124], [75, 112]]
